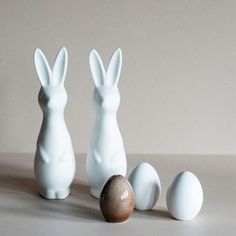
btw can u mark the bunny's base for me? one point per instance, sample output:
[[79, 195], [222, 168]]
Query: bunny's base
[[55, 194], [95, 192]]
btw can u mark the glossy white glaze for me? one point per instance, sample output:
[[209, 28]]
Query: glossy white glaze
[[54, 163], [106, 155]]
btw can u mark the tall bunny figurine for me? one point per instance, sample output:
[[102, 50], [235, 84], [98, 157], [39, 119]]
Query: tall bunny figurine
[[106, 154], [54, 163]]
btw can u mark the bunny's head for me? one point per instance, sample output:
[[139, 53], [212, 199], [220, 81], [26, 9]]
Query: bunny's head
[[106, 95], [52, 95]]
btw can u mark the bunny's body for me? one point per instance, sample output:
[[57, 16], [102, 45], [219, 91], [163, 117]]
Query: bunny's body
[[54, 164], [106, 154]]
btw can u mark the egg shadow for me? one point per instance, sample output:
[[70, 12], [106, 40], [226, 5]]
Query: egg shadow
[[160, 214], [88, 206]]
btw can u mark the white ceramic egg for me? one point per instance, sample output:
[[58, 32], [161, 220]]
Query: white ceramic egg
[[184, 197], [146, 185]]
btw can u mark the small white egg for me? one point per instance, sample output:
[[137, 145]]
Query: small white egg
[[146, 185], [184, 197]]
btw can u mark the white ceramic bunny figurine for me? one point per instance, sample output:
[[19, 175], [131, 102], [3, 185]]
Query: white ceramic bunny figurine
[[54, 164], [106, 154]]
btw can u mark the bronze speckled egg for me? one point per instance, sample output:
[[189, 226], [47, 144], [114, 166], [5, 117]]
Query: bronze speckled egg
[[117, 199]]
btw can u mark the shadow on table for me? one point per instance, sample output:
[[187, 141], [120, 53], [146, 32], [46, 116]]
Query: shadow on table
[[17, 185], [19, 196], [159, 214], [22, 198]]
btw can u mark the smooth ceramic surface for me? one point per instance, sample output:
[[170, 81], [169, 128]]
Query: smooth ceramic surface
[[117, 199], [184, 197], [146, 185], [54, 164], [106, 154]]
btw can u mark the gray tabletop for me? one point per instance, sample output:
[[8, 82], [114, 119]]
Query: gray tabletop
[[24, 212]]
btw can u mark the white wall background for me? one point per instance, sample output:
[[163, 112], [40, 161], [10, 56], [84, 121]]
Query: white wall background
[[178, 82]]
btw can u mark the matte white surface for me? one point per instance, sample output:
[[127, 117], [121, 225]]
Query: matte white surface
[[24, 213], [177, 84], [146, 185], [184, 197]]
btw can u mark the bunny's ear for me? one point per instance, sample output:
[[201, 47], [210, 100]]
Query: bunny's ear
[[114, 68], [42, 67], [97, 68], [60, 67]]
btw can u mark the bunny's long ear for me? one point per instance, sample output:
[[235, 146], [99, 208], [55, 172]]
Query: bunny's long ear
[[114, 68], [60, 67], [42, 67], [97, 68]]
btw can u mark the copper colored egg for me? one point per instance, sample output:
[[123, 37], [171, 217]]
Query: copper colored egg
[[117, 199]]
